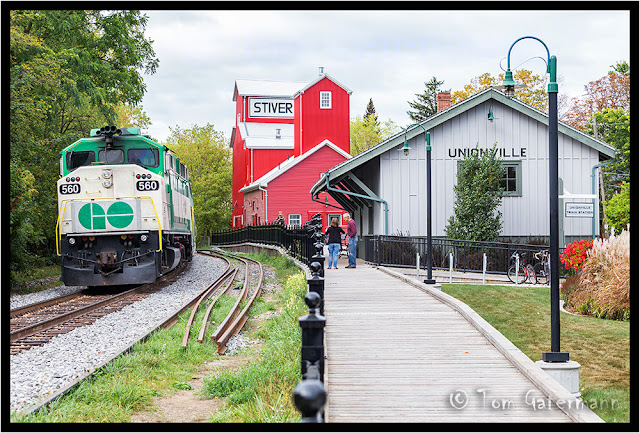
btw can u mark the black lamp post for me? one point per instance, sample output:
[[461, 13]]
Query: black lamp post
[[429, 279], [406, 148], [509, 84]]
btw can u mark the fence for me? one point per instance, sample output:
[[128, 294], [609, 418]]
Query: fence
[[298, 240], [401, 251]]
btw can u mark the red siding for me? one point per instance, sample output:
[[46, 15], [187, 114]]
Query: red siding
[[319, 124], [289, 192]]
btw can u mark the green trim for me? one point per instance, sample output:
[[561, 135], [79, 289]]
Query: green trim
[[518, 167]]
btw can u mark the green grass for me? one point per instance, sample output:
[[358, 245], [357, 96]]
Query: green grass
[[34, 279], [262, 391], [160, 366], [601, 347]]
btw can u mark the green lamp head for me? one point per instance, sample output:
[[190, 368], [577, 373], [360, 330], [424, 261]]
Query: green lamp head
[[509, 84], [406, 147]]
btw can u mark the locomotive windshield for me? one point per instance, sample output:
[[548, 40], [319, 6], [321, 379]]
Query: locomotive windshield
[[78, 159], [145, 157], [111, 156]]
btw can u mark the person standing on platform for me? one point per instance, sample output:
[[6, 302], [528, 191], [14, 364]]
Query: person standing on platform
[[334, 232], [352, 235]]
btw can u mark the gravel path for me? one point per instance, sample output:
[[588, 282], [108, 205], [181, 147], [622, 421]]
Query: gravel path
[[42, 371]]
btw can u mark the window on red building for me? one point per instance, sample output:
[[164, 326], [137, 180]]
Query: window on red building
[[325, 99], [295, 220]]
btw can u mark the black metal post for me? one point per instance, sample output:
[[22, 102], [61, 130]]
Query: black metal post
[[316, 283], [309, 395], [555, 355], [312, 349], [429, 279]]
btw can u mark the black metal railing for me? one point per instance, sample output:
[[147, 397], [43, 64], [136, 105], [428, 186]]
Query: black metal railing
[[404, 251], [297, 240], [309, 395]]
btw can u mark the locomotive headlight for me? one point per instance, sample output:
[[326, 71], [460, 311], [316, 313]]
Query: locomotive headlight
[[72, 241], [106, 174], [144, 238], [107, 183]]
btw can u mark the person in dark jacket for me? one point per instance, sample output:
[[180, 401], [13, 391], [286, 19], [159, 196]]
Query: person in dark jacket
[[334, 232]]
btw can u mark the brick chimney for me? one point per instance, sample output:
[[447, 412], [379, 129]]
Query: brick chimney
[[443, 100]]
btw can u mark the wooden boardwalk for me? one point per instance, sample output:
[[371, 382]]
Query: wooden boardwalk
[[396, 353]]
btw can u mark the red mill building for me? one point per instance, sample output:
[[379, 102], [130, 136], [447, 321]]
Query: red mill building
[[286, 135]]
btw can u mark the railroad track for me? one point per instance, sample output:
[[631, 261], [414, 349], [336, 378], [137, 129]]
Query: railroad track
[[231, 325], [236, 318], [36, 324]]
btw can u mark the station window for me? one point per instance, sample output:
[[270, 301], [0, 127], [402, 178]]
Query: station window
[[295, 220], [512, 178], [78, 159], [325, 99]]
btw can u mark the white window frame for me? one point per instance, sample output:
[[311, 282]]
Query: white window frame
[[325, 96], [297, 217]]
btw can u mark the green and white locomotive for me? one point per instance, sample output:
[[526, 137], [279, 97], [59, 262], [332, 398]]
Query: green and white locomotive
[[125, 209]]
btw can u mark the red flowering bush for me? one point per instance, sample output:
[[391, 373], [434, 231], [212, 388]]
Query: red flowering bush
[[575, 254]]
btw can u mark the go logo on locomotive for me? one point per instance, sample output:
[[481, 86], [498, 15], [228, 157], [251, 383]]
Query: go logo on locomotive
[[93, 217]]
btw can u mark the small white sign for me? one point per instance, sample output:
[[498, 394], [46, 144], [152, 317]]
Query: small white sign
[[578, 210], [271, 107]]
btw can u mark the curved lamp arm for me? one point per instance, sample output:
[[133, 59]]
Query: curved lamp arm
[[427, 137], [551, 67]]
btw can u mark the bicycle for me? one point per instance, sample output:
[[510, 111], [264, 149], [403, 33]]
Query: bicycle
[[525, 270], [541, 269]]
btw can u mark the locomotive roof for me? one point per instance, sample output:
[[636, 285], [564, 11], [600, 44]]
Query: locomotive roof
[[127, 134]]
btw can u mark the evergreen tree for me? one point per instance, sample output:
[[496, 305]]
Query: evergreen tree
[[426, 103], [371, 111], [478, 195]]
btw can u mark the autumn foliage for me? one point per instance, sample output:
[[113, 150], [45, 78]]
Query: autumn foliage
[[609, 92]]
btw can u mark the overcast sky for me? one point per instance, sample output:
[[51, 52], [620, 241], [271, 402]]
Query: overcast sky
[[384, 55]]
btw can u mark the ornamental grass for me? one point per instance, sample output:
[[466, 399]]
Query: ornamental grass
[[602, 288]]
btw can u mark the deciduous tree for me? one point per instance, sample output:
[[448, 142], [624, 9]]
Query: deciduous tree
[[612, 91], [69, 69], [366, 132], [533, 93], [206, 153]]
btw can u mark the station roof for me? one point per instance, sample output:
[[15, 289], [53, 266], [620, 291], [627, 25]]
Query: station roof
[[340, 171]]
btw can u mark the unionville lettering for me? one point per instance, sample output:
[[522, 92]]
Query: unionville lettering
[[500, 151]]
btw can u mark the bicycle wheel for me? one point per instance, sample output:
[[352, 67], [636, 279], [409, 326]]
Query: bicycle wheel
[[542, 274], [512, 275], [531, 274]]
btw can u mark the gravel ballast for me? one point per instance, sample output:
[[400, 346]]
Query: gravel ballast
[[40, 372]]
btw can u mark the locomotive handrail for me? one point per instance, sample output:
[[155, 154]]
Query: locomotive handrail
[[64, 210]]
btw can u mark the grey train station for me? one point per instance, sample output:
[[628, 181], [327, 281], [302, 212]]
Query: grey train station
[[385, 189]]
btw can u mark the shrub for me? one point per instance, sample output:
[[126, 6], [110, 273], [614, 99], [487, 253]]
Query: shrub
[[605, 282], [575, 254], [568, 286], [618, 209], [478, 195]]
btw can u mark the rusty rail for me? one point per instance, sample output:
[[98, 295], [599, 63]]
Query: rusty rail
[[231, 326]]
